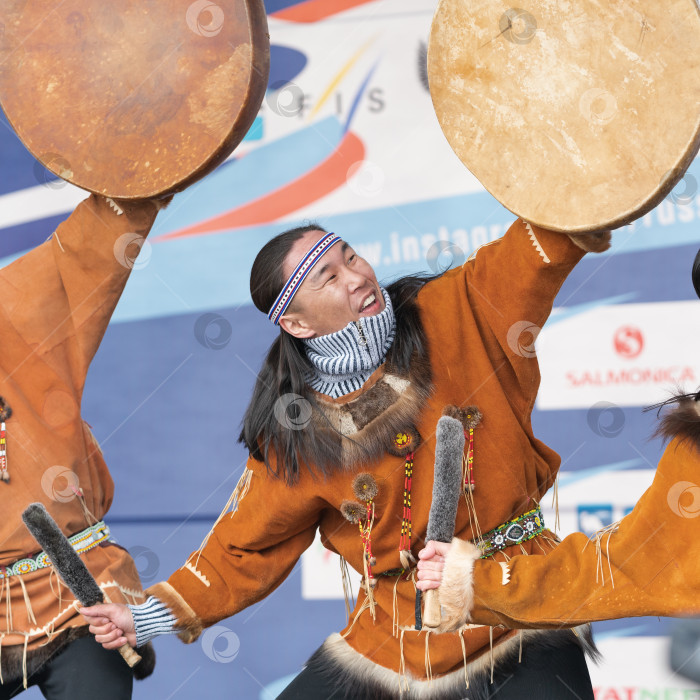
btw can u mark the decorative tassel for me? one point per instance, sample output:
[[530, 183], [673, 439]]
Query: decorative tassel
[[80, 495], [520, 652], [8, 604], [4, 474], [552, 541], [469, 417], [363, 607], [608, 530], [365, 489], [368, 561], [403, 680], [406, 524], [53, 574], [24, 660], [491, 644], [59, 585], [58, 240], [347, 587], [555, 503], [464, 656], [407, 559], [428, 665], [536, 540], [469, 484], [473, 519], [50, 630], [607, 554], [236, 497], [27, 602], [395, 610], [5, 413]]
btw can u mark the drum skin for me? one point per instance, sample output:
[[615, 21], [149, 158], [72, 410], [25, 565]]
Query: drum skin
[[577, 116], [132, 98]]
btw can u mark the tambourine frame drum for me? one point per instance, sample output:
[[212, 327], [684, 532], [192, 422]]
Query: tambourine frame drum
[[578, 117], [132, 99]]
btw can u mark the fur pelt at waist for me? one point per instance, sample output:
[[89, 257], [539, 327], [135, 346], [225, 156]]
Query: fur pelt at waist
[[355, 676], [12, 657]]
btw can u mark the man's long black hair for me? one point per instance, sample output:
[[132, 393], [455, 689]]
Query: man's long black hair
[[276, 430]]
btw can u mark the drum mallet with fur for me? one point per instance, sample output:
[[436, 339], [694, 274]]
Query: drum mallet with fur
[[447, 486], [68, 564]]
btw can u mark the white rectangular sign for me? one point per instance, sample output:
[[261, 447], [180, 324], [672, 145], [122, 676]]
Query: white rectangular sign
[[628, 355]]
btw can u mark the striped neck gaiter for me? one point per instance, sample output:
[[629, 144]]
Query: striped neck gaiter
[[343, 361]]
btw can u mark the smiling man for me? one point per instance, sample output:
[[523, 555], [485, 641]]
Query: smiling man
[[349, 287], [341, 435]]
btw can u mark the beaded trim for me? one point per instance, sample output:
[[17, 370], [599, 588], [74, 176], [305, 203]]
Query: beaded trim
[[81, 542], [299, 275], [406, 524], [516, 531]]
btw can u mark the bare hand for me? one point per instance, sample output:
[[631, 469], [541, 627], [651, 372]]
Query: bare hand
[[112, 625], [431, 563]]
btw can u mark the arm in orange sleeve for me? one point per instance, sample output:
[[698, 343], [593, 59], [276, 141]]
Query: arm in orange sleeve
[[60, 296], [511, 284], [249, 552], [644, 565]]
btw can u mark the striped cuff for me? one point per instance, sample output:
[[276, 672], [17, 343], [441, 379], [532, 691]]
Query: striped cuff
[[151, 619]]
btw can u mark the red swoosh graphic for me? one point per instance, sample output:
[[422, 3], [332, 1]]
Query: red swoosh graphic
[[315, 10], [322, 180]]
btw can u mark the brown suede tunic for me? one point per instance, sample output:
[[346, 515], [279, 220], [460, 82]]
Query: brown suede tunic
[[56, 303], [646, 564], [473, 318]]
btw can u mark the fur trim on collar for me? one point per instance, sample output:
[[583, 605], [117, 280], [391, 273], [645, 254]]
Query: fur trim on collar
[[363, 425]]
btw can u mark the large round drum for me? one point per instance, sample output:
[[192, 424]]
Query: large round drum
[[577, 116], [132, 98]]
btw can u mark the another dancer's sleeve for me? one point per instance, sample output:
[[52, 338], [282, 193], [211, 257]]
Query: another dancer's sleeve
[[60, 296], [643, 565]]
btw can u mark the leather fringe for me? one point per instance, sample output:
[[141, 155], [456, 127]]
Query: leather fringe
[[347, 588]]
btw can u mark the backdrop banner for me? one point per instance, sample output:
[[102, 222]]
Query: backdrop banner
[[347, 136]]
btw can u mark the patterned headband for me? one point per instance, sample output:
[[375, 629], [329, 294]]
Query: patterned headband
[[299, 275]]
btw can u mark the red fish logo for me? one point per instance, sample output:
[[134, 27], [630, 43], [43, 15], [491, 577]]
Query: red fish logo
[[629, 342]]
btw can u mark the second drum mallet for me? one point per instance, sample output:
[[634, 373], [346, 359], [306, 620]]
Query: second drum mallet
[[447, 487]]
